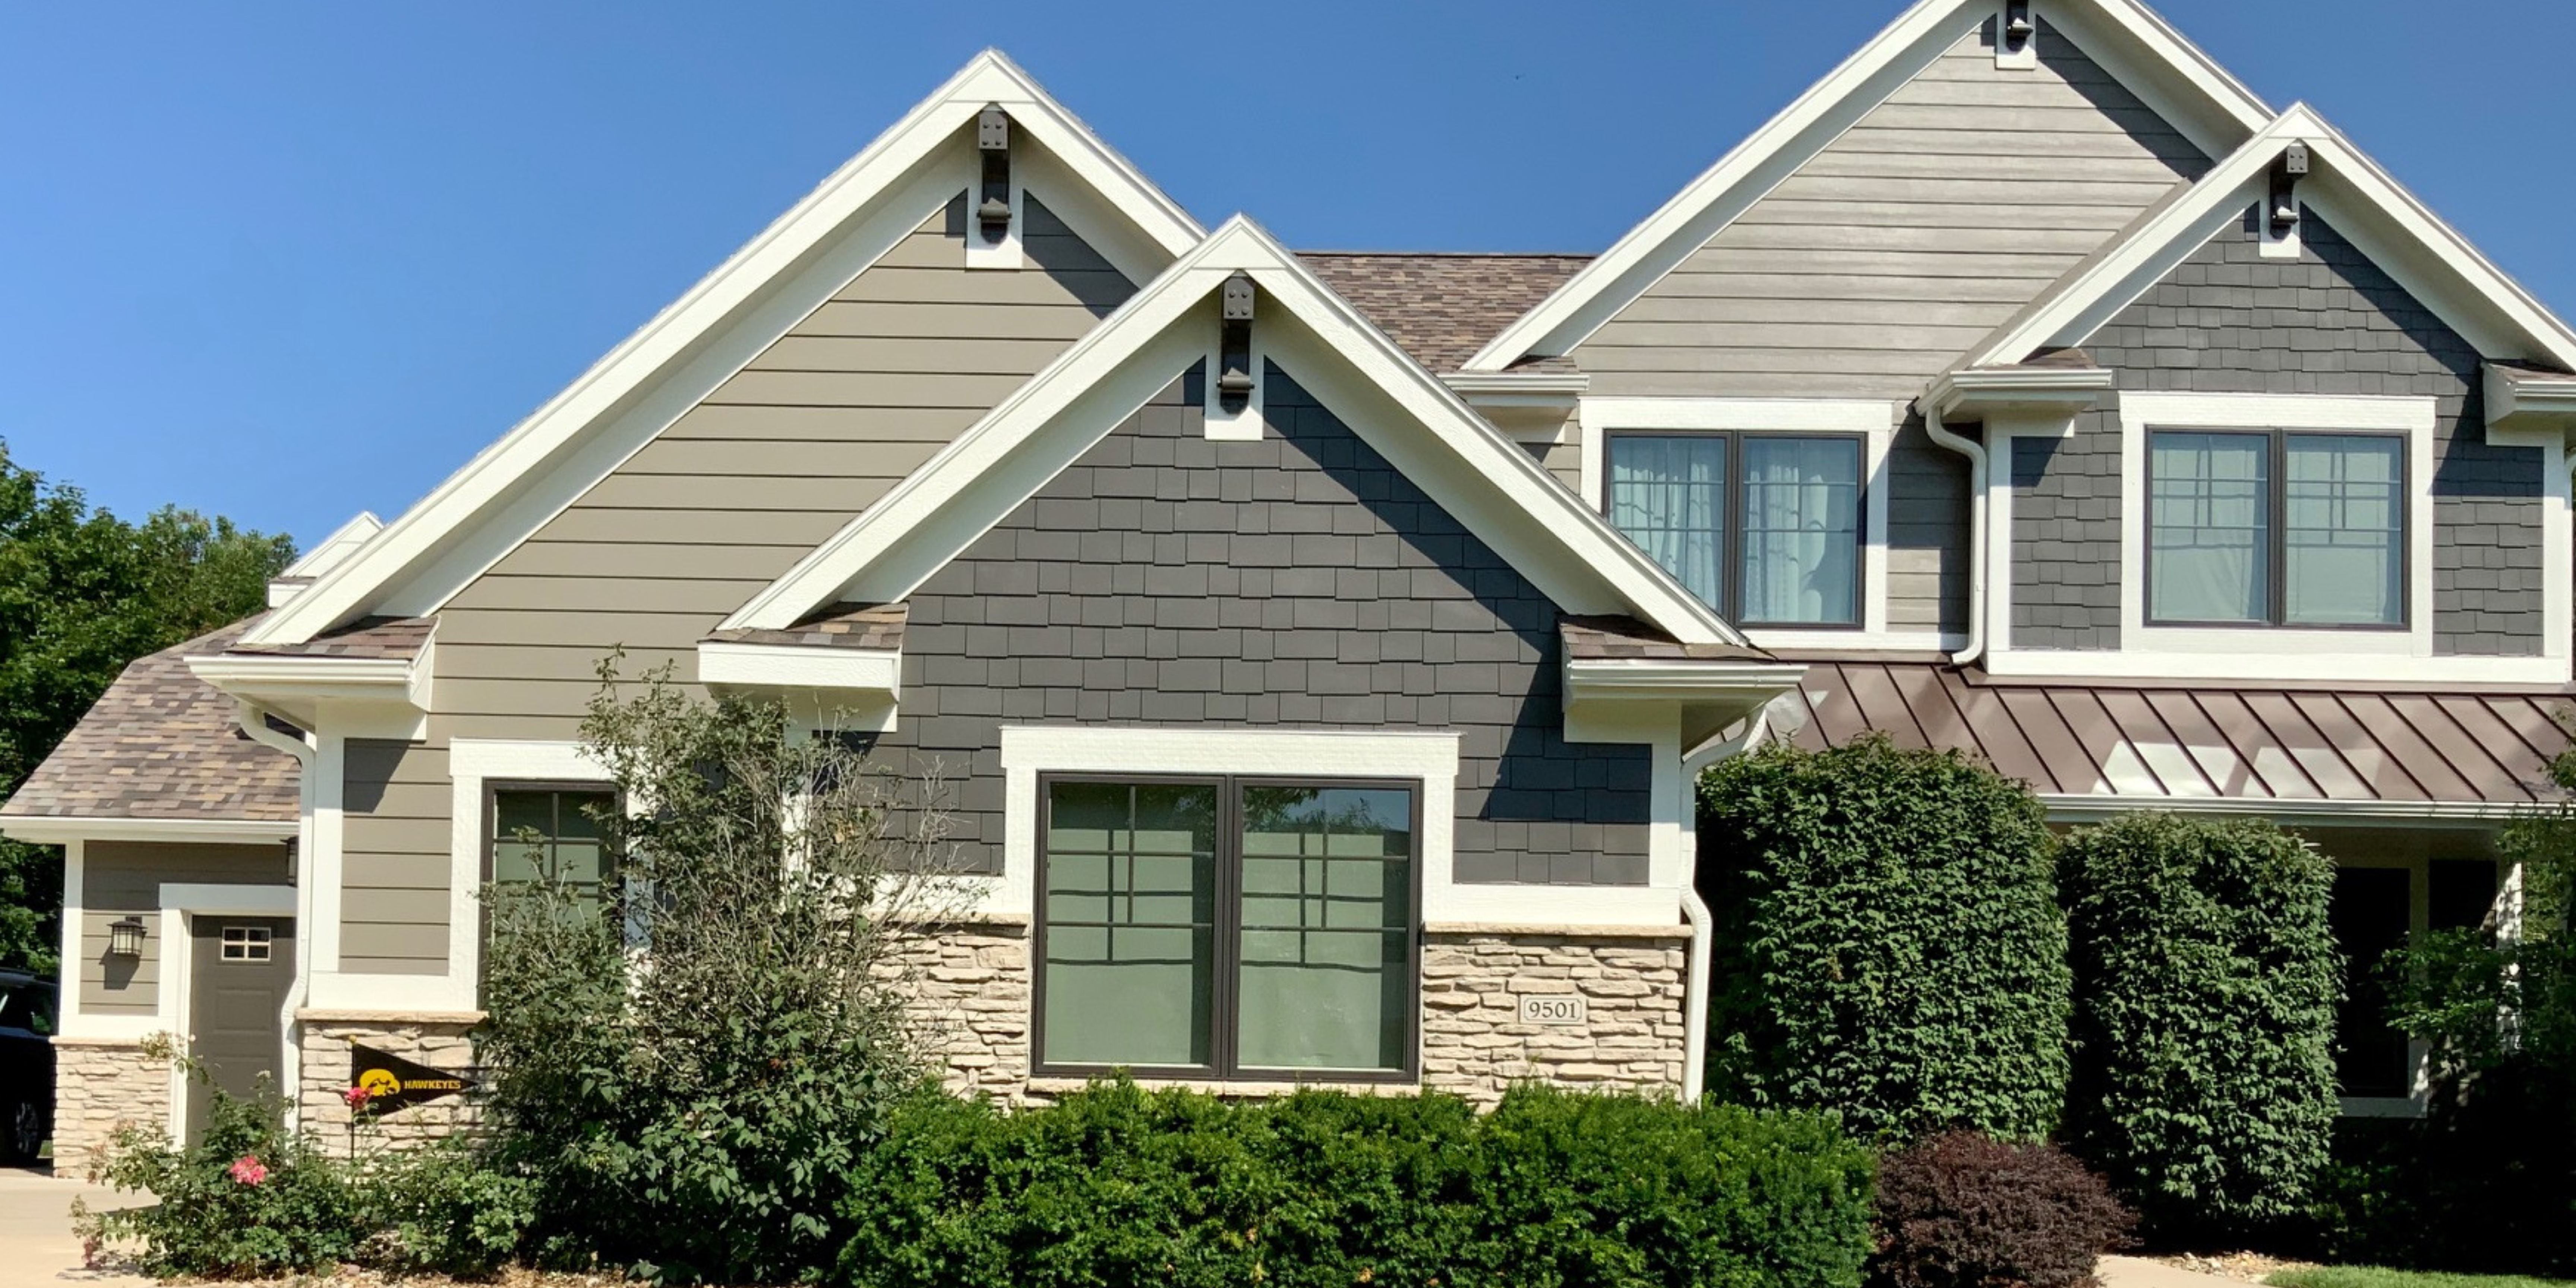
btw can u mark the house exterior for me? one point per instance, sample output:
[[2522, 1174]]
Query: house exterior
[[1321, 646]]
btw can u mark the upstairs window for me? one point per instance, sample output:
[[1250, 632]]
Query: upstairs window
[[1764, 527], [2276, 528]]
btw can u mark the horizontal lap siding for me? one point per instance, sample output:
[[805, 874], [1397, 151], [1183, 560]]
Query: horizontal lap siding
[[394, 858], [122, 877], [1890, 253], [1294, 582], [851, 400], [2228, 320]]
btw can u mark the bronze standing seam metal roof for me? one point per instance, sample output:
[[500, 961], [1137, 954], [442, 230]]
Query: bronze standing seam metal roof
[[1442, 307], [2172, 741], [161, 744]]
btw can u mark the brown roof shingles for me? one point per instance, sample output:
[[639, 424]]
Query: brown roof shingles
[[1442, 308], [1608, 638], [367, 637], [161, 744], [872, 626]]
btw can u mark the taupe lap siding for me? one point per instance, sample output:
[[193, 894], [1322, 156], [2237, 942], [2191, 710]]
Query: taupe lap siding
[[2330, 323], [394, 862], [821, 424], [121, 877], [1296, 582], [1930, 222]]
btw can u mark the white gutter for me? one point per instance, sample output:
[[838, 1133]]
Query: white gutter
[[253, 719], [1703, 923], [1977, 466]]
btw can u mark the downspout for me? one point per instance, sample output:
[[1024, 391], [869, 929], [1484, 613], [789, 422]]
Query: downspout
[[253, 720], [1976, 454], [1703, 923]]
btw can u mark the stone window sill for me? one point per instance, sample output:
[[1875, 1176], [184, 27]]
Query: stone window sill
[[1228, 1087]]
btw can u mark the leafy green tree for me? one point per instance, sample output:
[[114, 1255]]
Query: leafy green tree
[[1888, 942], [82, 593]]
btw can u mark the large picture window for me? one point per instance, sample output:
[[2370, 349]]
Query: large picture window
[[1227, 927], [1764, 527], [2275, 528]]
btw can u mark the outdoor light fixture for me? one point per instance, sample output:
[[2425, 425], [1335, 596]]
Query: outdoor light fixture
[[993, 139], [2286, 174], [2017, 25], [1234, 347], [125, 937]]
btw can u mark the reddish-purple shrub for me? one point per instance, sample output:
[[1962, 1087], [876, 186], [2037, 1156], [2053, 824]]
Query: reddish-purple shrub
[[1963, 1210]]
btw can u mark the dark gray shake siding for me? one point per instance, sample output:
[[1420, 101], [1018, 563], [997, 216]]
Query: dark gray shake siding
[[1296, 582], [2329, 323]]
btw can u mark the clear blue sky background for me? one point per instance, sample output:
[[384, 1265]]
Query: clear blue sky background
[[289, 261]]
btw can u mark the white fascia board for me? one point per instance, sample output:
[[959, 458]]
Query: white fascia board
[[290, 681], [2073, 807], [492, 479], [1502, 495], [1477, 386], [1653, 679], [2525, 403], [2399, 234], [800, 667], [327, 553], [204, 831], [2206, 103], [1976, 389]]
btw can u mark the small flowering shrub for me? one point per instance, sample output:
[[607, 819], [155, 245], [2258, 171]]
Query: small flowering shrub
[[249, 1199]]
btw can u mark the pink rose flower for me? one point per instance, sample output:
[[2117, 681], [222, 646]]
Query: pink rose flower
[[358, 1097], [249, 1170]]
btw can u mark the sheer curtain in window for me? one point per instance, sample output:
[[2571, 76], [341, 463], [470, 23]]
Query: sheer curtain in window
[[2344, 525], [2210, 501], [1668, 493], [1801, 530]]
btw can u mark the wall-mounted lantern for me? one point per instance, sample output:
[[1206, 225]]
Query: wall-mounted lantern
[[125, 937]]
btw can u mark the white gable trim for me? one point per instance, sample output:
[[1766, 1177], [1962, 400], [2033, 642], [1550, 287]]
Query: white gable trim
[[2399, 234], [513, 487], [1496, 490], [2210, 107]]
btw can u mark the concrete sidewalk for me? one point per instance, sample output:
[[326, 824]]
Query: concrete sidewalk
[[36, 1241], [2139, 1272]]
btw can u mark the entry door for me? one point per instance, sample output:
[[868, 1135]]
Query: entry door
[[238, 972]]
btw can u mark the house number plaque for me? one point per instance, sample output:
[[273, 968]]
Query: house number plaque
[[1553, 1008]]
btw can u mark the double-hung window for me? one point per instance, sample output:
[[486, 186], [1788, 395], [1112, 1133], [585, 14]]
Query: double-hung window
[[2276, 528], [1228, 927], [1764, 527]]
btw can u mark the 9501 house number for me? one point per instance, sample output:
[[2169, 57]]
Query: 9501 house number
[[1552, 1008]]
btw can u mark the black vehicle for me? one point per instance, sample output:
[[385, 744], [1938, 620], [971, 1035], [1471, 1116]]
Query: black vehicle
[[26, 1065]]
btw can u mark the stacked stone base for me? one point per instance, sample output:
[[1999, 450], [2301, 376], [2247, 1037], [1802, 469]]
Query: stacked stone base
[[1630, 981], [434, 1040], [100, 1086], [970, 1008]]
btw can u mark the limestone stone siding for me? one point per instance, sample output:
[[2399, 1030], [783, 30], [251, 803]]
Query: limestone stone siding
[[1474, 1042], [436, 1041], [970, 989], [99, 1086]]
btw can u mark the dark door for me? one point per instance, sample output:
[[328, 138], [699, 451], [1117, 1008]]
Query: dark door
[[2370, 913], [238, 975]]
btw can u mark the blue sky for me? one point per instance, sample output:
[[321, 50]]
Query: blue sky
[[290, 261]]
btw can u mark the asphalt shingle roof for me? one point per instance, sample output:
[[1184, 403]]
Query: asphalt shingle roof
[[1442, 308]]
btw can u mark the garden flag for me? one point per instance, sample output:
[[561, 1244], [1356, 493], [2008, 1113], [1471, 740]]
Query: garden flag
[[391, 1082]]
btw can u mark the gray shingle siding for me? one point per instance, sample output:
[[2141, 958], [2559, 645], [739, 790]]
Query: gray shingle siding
[[2228, 320], [1296, 582], [2066, 538]]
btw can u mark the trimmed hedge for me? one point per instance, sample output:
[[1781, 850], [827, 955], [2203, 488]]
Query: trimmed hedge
[[1888, 941], [1961, 1210], [2205, 986], [1327, 1190]]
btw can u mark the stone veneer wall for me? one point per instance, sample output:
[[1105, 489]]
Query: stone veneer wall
[[437, 1041], [974, 989], [1631, 981], [98, 1086]]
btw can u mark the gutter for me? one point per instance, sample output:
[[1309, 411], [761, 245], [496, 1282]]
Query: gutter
[[1977, 467], [1703, 923], [253, 719]]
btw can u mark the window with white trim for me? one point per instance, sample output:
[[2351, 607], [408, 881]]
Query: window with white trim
[[542, 832], [1766, 528], [2271, 527], [1228, 927]]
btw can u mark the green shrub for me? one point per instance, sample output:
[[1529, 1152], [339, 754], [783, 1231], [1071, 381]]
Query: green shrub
[[1888, 940], [249, 1200], [445, 1209], [2205, 987], [1962, 1210], [1327, 1190]]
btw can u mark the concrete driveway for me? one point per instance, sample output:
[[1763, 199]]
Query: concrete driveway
[[36, 1242]]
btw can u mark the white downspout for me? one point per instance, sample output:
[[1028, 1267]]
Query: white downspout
[[1703, 923], [1976, 454], [253, 720]]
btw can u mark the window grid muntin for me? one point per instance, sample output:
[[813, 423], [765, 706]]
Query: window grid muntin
[[1224, 1013], [246, 943], [2276, 553], [1733, 513]]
